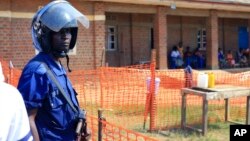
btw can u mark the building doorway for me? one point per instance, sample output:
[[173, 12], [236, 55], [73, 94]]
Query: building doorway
[[243, 37]]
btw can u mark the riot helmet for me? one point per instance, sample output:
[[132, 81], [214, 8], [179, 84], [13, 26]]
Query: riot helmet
[[51, 18]]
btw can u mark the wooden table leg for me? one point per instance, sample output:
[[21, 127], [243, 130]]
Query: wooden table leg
[[248, 112], [227, 109], [183, 111], [204, 116]]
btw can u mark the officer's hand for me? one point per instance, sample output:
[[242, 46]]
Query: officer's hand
[[86, 136]]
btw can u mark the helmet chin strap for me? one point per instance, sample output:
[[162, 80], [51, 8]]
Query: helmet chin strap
[[67, 57], [62, 55]]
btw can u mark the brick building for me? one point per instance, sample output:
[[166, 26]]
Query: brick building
[[123, 32]]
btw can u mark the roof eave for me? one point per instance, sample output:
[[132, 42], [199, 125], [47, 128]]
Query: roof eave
[[194, 4]]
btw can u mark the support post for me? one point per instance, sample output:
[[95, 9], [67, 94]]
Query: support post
[[227, 109], [100, 124], [248, 112], [152, 91], [183, 110], [204, 116]]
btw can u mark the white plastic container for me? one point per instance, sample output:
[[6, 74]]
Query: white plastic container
[[202, 80], [157, 84]]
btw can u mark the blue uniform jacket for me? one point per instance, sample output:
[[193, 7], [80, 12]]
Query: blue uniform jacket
[[55, 120]]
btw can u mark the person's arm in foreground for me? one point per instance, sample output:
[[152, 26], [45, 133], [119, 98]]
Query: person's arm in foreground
[[32, 115], [13, 116]]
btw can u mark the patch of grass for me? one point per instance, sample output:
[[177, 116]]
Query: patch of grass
[[169, 117], [216, 132]]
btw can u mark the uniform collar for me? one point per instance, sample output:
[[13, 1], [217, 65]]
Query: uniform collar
[[53, 65]]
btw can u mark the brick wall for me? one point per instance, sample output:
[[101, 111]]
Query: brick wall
[[229, 27], [21, 42], [134, 24], [15, 35], [5, 32], [133, 37], [141, 33]]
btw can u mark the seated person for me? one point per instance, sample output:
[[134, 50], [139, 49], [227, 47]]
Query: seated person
[[243, 61], [188, 56], [221, 58], [246, 53], [199, 59], [237, 56], [176, 60], [241, 58], [230, 59]]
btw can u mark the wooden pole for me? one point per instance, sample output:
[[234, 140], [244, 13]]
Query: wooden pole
[[152, 91]]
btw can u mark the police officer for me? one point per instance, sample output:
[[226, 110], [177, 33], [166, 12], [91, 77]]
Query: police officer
[[54, 33]]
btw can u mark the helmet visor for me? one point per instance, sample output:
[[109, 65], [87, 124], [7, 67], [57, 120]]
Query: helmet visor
[[62, 14]]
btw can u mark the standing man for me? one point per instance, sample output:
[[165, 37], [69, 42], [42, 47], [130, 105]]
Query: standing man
[[51, 110], [14, 123]]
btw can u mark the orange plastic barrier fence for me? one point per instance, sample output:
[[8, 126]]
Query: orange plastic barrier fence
[[123, 92], [5, 68], [112, 132]]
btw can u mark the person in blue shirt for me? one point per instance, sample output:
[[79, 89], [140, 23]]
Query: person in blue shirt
[[54, 32], [221, 58]]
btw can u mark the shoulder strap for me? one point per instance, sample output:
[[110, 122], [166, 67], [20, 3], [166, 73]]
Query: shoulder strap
[[52, 76]]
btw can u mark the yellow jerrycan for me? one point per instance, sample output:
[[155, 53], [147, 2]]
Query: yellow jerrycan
[[211, 80]]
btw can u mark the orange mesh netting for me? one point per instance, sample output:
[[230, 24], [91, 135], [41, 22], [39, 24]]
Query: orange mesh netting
[[126, 98]]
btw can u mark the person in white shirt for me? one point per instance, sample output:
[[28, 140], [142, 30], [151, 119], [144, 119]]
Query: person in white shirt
[[14, 123], [176, 60]]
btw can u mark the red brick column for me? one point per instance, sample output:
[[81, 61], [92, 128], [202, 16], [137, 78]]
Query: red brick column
[[99, 34], [160, 35], [5, 32], [212, 41], [5, 37]]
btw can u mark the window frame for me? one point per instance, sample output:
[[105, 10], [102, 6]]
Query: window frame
[[111, 36], [202, 38]]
